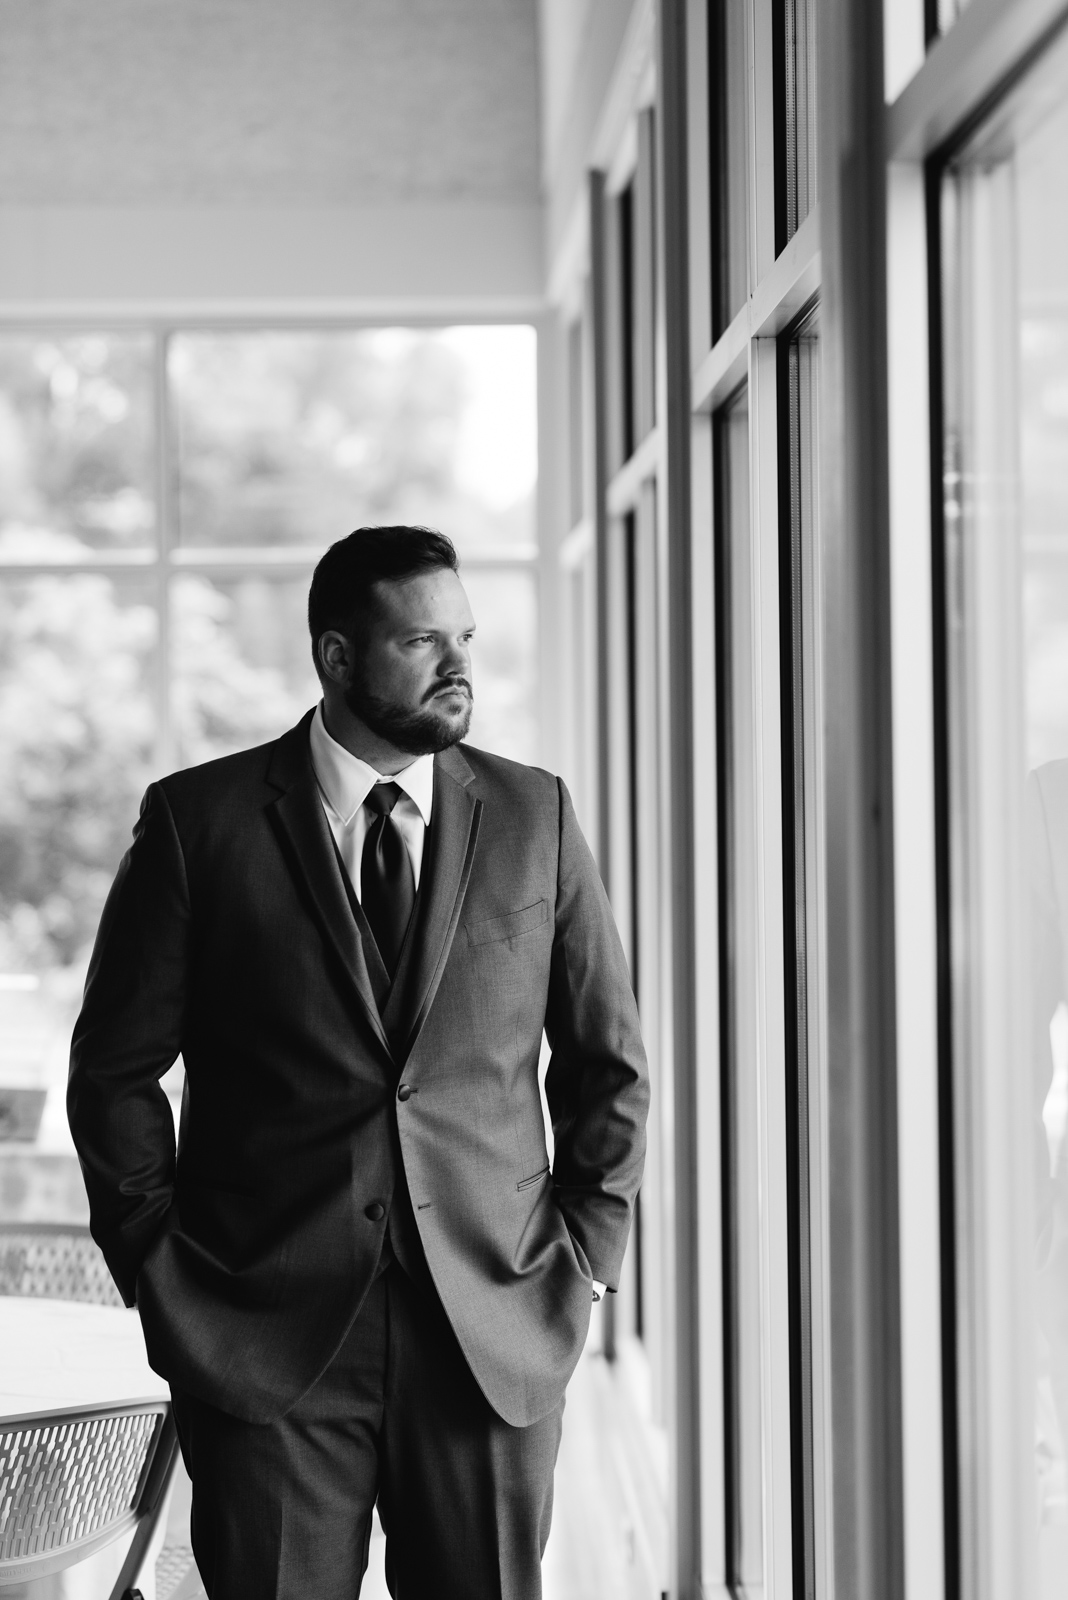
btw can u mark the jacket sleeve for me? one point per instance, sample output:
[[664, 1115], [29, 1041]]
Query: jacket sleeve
[[597, 1084], [128, 1034]]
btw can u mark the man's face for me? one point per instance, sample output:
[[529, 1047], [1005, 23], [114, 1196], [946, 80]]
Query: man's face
[[411, 676]]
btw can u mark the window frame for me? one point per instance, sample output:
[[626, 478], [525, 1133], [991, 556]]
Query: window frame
[[165, 559], [967, 68]]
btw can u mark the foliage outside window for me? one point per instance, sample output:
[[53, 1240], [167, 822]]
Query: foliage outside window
[[163, 499]]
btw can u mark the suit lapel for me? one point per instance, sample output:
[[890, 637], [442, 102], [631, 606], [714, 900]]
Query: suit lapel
[[443, 884], [302, 824]]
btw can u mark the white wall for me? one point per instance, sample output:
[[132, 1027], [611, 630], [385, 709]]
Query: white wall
[[338, 151]]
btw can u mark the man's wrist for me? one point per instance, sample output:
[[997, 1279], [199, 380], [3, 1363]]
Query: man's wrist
[[599, 1291]]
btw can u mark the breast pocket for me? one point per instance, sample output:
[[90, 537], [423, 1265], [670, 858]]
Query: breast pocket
[[510, 926]]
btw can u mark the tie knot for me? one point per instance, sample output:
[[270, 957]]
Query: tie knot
[[383, 797]]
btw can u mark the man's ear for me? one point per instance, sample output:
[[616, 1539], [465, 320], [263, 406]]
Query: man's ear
[[335, 656]]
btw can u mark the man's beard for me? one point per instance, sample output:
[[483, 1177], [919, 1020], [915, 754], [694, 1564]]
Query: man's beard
[[421, 733]]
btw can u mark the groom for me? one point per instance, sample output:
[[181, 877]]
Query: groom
[[361, 1275]]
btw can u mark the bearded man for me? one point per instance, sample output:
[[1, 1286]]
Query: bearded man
[[358, 1272]]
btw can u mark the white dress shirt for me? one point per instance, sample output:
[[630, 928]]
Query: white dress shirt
[[344, 784]]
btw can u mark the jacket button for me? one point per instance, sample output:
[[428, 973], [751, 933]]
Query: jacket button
[[375, 1211], [404, 1092]]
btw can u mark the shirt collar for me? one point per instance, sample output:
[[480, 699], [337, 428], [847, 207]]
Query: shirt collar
[[346, 781]]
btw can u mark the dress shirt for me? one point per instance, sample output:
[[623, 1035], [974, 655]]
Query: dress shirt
[[344, 784]]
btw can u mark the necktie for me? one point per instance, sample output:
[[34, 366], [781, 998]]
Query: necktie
[[387, 884]]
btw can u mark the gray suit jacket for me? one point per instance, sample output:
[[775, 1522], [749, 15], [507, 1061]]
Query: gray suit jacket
[[228, 936]]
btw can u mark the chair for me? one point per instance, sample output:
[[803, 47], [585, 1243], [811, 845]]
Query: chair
[[56, 1260], [77, 1480]]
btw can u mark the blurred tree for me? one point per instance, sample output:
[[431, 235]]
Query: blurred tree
[[296, 438], [76, 439], [76, 732], [77, 738], [284, 438]]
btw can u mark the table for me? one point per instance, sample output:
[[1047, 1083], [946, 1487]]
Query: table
[[58, 1355]]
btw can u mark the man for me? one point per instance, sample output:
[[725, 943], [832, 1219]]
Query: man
[[359, 1275]]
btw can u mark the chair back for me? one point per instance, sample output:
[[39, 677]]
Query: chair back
[[56, 1261], [74, 1481]]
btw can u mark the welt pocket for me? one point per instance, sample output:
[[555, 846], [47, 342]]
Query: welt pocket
[[510, 926], [535, 1177]]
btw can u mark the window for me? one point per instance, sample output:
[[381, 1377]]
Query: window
[[739, 981], [728, 100], [941, 15], [1004, 644], [795, 104], [632, 295], [164, 497], [799, 617]]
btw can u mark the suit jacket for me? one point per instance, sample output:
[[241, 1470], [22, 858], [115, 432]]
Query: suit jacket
[[318, 1098]]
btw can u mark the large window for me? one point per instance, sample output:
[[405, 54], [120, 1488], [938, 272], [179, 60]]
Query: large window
[[164, 497], [1003, 538]]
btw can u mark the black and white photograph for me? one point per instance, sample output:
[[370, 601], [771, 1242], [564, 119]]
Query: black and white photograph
[[534, 800]]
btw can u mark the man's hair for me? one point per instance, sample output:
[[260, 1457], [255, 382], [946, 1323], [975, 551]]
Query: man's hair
[[342, 582]]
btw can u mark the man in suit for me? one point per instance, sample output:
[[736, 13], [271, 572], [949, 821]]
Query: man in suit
[[358, 1272]]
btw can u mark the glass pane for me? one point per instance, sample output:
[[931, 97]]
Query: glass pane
[[576, 452], [800, 895], [297, 438], [621, 341], [1006, 581], [243, 673], [739, 1002], [77, 732], [796, 30], [242, 669], [948, 12], [504, 662], [76, 444], [728, 33]]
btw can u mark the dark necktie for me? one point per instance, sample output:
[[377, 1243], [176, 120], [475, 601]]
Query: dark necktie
[[387, 883]]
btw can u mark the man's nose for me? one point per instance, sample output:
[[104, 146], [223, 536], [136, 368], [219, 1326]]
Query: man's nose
[[456, 658]]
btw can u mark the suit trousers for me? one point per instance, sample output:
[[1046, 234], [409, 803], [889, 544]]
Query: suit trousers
[[282, 1511]]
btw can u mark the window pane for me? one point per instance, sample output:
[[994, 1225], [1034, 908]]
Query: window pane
[[243, 673], [739, 1002], [799, 628], [948, 12], [76, 752], [1005, 304], [796, 114], [297, 438], [728, 80], [504, 662], [241, 661], [76, 444], [576, 399]]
